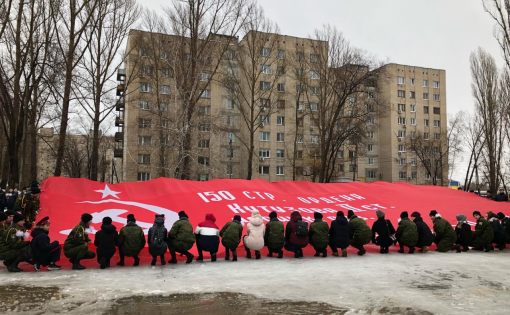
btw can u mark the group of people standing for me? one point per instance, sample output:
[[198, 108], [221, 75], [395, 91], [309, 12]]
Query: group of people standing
[[411, 233]]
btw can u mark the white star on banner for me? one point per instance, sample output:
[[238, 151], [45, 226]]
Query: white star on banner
[[108, 192]]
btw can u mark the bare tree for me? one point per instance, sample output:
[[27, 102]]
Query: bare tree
[[5, 15], [455, 141], [499, 10]]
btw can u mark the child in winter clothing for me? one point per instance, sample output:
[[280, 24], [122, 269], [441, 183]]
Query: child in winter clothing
[[274, 236], [254, 239], [207, 236], [131, 241], [296, 234], [106, 241], [157, 240], [464, 234], [339, 234], [319, 231], [231, 237], [382, 232]]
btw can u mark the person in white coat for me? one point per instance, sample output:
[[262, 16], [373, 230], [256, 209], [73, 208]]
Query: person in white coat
[[254, 240]]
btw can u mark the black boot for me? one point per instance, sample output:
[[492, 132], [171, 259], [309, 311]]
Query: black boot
[[13, 267], [324, 253], [296, 254], [102, 263], [189, 257], [213, 257], [78, 266], [381, 251], [300, 253], [227, 254], [411, 250], [316, 254], [162, 259], [234, 258], [401, 250], [270, 254], [248, 253], [137, 261], [257, 254], [280, 254], [153, 261]]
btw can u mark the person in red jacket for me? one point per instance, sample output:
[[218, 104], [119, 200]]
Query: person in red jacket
[[207, 235], [296, 234]]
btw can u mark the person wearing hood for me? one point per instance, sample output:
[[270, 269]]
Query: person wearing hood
[[207, 236], [131, 241], [319, 235], [505, 222], [360, 232], [296, 234], [157, 240], [339, 234], [16, 249], [445, 235], [464, 234], [181, 238], [425, 236], [383, 232], [407, 233], [499, 231], [76, 245], [484, 234], [231, 234], [254, 239], [106, 241], [274, 237], [44, 252]]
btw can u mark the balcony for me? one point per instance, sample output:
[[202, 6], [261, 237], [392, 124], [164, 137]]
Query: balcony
[[118, 153], [120, 89], [119, 121], [119, 136], [121, 75], [121, 104]]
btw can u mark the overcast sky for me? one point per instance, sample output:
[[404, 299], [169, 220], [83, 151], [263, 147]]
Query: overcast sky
[[427, 33]]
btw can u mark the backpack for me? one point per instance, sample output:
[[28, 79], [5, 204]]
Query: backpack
[[157, 240], [301, 228]]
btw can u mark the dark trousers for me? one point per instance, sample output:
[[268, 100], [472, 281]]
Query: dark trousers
[[50, 258], [122, 255], [228, 250]]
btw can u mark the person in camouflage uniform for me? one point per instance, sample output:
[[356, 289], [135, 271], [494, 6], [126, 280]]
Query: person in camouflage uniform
[[231, 234], [484, 234], [77, 242], [360, 233], [131, 241], [274, 236], [407, 233], [181, 238], [27, 204], [319, 235], [13, 248], [445, 235]]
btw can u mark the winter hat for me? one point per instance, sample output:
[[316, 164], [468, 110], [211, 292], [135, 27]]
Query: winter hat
[[159, 219], [237, 217], [18, 217], [476, 212], [404, 215], [433, 214], [461, 218], [131, 218], [317, 215], [350, 213], [415, 214], [86, 218], [273, 215], [340, 214], [501, 215], [10, 213], [379, 214], [3, 216], [107, 220], [255, 213], [182, 214], [491, 214], [43, 221]]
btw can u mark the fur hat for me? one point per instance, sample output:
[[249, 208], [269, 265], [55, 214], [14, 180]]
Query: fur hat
[[404, 215], [131, 218], [159, 218], [86, 218], [433, 214], [43, 221], [491, 214], [476, 212], [182, 214], [501, 215], [415, 214], [255, 213], [273, 215], [317, 215], [461, 218], [107, 220], [379, 214], [18, 217], [237, 217], [340, 214], [350, 213]]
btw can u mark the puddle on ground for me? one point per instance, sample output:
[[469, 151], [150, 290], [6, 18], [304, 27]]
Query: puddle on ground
[[17, 298], [217, 304]]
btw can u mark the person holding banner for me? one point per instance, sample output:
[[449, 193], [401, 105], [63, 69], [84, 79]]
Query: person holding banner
[[296, 235], [425, 236], [383, 232], [157, 239], [254, 239], [407, 233], [360, 232], [484, 234], [44, 253], [181, 238], [464, 234], [207, 236], [231, 234], [319, 231], [339, 234], [131, 241], [274, 238], [445, 235], [16, 248], [76, 245]]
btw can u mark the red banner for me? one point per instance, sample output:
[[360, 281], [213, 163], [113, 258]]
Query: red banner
[[65, 199]]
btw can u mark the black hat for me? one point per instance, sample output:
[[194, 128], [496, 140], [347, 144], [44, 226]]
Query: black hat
[[131, 218], [350, 213], [237, 217], [9, 213], [18, 217], [107, 220], [182, 214], [273, 215], [86, 218], [404, 215], [415, 214], [317, 215], [3, 216], [501, 215], [476, 212], [433, 213], [43, 221], [340, 214]]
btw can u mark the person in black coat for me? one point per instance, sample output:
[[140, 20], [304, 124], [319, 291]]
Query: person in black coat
[[499, 231], [339, 234], [464, 234], [382, 232], [3, 200], [107, 239], [425, 236], [44, 252], [505, 222]]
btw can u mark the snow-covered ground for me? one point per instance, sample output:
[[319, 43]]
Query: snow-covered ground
[[467, 283]]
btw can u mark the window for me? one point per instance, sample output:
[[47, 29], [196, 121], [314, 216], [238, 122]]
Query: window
[[436, 97], [146, 71], [163, 55], [412, 81], [264, 153], [437, 136], [425, 109], [413, 108], [280, 137], [435, 84], [370, 161], [203, 144], [412, 95], [401, 93], [314, 107], [300, 121], [413, 121], [280, 87], [315, 90], [230, 121], [204, 76], [371, 174], [299, 138], [401, 80], [314, 139], [280, 153], [300, 55], [203, 160], [401, 133], [143, 176], [204, 127], [401, 148], [264, 120], [164, 89], [203, 177], [301, 106], [370, 147], [314, 75], [425, 83], [280, 104], [281, 54], [280, 120], [265, 103], [144, 123], [163, 107], [370, 135], [426, 135], [402, 175], [300, 88], [265, 86], [402, 161], [437, 123], [144, 159], [437, 110], [204, 110], [166, 72], [413, 162], [164, 140], [413, 175], [231, 137], [371, 120], [426, 122], [280, 70], [229, 104], [143, 105], [266, 69], [401, 120], [265, 52], [264, 135], [164, 123], [299, 155], [144, 52], [314, 58], [401, 108], [425, 96], [279, 170], [205, 94], [144, 140], [263, 170], [145, 87]]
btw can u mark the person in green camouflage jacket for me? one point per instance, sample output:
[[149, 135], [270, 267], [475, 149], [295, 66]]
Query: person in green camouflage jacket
[[274, 236], [231, 234], [360, 232], [484, 234], [131, 241], [181, 238], [14, 249], [77, 242], [445, 235], [319, 235], [28, 205], [407, 233]]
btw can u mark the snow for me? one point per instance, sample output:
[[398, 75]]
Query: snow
[[447, 283]]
